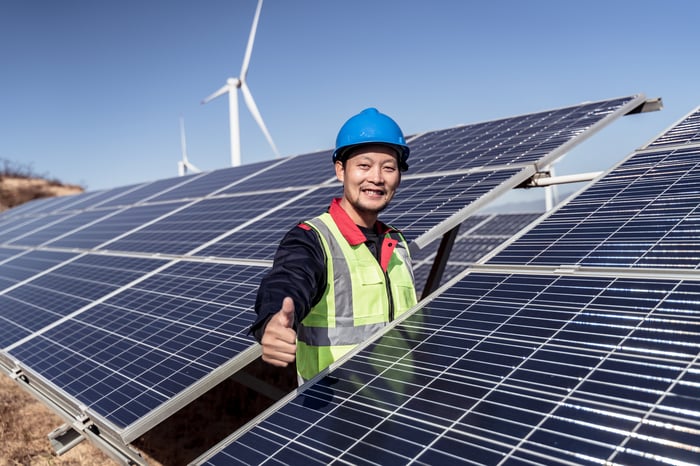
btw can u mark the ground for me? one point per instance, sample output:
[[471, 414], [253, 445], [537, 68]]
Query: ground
[[24, 425]]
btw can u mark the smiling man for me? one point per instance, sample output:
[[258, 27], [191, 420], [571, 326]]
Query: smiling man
[[340, 277]]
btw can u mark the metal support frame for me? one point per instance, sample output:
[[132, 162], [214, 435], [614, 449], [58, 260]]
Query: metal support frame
[[544, 178], [64, 438], [649, 105], [441, 258], [74, 430]]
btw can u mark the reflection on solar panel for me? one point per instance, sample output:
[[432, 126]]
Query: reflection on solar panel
[[569, 361], [537, 370], [146, 291]]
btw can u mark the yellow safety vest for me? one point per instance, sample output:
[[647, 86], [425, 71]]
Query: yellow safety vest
[[359, 300]]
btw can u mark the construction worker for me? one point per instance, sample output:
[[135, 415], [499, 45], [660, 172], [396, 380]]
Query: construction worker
[[339, 277]]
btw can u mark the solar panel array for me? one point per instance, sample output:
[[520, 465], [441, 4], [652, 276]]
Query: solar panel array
[[123, 305], [547, 352]]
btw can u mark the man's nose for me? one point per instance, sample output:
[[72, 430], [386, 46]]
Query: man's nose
[[376, 175]]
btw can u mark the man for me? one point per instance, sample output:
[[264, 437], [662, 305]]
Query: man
[[338, 278]]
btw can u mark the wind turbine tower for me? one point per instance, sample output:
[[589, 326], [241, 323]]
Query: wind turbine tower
[[232, 85], [184, 166]]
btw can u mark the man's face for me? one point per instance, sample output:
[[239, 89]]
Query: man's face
[[370, 178]]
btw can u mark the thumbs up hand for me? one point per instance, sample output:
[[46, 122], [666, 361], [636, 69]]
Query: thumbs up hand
[[279, 340]]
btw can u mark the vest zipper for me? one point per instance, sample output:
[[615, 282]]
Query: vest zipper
[[391, 298]]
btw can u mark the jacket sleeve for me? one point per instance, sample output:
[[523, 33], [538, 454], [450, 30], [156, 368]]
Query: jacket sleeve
[[298, 271]]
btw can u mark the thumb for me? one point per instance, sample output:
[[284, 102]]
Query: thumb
[[287, 312]]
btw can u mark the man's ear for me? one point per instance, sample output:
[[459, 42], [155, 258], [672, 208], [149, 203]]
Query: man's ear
[[340, 171]]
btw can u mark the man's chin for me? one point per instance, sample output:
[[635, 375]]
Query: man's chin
[[372, 209]]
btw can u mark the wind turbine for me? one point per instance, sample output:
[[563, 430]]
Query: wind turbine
[[184, 165], [232, 85]]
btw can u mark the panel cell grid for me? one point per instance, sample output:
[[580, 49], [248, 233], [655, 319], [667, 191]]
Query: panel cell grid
[[517, 140], [260, 239], [76, 284], [301, 170], [127, 356], [197, 224], [91, 200], [544, 369], [211, 182], [640, 215], [143, 192], [25, 225], [685, 132], [111, 227], [423, 203], [29, 264], [62, 225]]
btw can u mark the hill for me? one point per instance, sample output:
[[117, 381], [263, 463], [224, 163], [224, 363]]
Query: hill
[[18, 190]]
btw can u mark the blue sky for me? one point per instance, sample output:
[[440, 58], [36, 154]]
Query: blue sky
[[91, 92]]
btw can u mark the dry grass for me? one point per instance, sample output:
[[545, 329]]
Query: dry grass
[[24, 426]]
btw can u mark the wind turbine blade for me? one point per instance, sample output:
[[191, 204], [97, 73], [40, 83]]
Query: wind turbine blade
[[224, 89], [190, 166], [251, 39], [248, 97]]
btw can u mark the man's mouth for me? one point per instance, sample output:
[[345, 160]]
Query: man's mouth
[[373, 192]]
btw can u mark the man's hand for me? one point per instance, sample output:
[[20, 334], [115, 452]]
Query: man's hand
[[279, 340]]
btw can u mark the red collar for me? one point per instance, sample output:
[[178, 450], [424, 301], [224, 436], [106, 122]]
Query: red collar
[[347, 227]]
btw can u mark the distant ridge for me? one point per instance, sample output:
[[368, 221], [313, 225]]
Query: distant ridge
[[16, 190]]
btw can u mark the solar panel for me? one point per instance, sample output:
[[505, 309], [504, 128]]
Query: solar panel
[[197, 224], [685, 132], [643, 214], [211, 182], [515, 362], [112, 224], [129, 351], [298, 171], [144, 192], [538, 370], [50, 297], [127, 359], [510, 141]]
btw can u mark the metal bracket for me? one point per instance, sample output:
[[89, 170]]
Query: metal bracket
[[64, 438], [544, 178], [649, 105]]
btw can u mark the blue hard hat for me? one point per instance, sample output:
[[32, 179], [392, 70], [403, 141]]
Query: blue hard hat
[[371, 127]]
